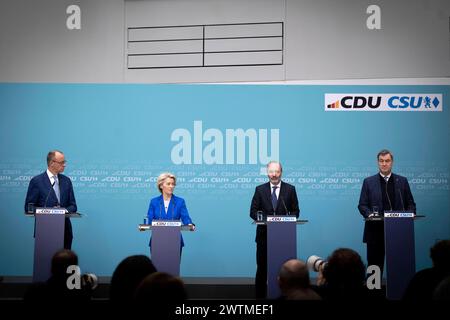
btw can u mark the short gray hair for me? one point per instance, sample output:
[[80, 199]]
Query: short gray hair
[[277, 162], [51, 156], [162, 177]]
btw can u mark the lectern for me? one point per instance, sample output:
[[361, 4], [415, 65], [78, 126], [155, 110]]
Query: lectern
[[166, 241], [281, 246], [48, 238], [400, 250]]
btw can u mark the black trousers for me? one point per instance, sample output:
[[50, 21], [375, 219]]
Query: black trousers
[[261, 270], [375, 254], [68, 235]]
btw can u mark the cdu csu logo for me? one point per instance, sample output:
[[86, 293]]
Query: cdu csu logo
[[413, 102], [358, 102], [383, 102]]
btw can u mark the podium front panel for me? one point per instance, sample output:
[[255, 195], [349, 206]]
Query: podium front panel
[[281, 246], [48, 239], [400, 255], [165, 249]]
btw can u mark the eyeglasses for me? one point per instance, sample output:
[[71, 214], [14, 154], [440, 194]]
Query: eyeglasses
[[60, 162]]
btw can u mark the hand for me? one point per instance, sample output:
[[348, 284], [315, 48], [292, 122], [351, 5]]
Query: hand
[[191, 227], [320, 278]]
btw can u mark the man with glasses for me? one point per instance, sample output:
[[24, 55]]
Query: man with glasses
[[384, 191], [275, 197], [53, 189]]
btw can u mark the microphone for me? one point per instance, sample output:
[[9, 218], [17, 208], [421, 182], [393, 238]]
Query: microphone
[[387, 195], [285, 208], [48, 194], [401, 199]]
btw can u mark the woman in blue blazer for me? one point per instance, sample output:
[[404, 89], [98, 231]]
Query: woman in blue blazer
[[168, 206]]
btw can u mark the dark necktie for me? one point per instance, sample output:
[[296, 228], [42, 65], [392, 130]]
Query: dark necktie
[[386, 179], [274, 198]]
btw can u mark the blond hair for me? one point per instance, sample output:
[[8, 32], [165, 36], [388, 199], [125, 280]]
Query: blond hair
[[162, 177]]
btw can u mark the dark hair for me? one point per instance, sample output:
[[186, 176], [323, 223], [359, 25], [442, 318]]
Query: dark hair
[[345, 269], [385, 152], [160, 286], [61, 260], [440, 254], [127, 276]]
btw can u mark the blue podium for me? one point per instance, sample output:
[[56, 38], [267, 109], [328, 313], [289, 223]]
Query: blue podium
[[281, 246], [399, 246], [400, 251], [166, 241], [48, 238]]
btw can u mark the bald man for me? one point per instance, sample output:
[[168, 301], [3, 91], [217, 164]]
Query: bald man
[[294, 282], [53, 189], [274, 197]]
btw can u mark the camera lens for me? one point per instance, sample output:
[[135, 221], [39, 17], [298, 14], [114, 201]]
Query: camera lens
[[90, 281], [315, 262]]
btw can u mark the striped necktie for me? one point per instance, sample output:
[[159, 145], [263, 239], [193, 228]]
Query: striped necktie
[[56, 188]]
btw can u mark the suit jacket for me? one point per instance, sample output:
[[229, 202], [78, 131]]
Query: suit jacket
[[371, 196], [262, 201], [41, 193], [177, 211]]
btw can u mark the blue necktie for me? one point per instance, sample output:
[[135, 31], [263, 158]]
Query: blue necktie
[[274, 198], [56, 188]]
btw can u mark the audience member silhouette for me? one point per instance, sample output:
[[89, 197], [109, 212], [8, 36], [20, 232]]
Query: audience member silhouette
[[128, 275], [56, 287], [294, 282], [343, 276], [424, 282], [442, 291], [160, 287]]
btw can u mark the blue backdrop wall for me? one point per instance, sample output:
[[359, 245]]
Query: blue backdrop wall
[[216, 139]]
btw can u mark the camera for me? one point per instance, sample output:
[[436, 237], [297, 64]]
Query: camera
[[316, 263], [89, 281]]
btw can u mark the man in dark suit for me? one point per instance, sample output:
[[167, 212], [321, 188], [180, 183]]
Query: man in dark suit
[[53, 189], [384, 191], [272, 198]]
